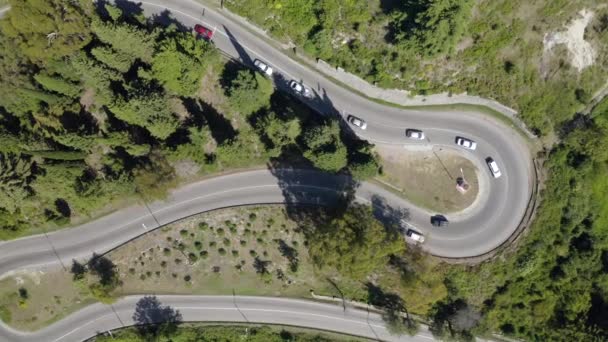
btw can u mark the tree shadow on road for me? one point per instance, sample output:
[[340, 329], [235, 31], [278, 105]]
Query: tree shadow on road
[[153, 319]]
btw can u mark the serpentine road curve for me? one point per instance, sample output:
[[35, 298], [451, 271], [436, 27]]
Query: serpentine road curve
[[493, 219]]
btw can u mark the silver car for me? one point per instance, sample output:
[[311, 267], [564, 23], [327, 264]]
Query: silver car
[[414, 134], [357, 122], [414, 235], [493, 166], [299, 88], [263, 67], [466, 143]]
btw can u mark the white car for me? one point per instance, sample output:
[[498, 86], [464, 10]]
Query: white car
[[414, 134], [414, 235], [263, 67], [466, 143], [493, 167], [299, 88], [357, 122]]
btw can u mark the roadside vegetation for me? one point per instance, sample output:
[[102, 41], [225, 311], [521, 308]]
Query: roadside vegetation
[[229, 333], [117, 107]]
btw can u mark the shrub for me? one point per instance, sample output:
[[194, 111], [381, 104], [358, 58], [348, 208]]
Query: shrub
[[203, 226], [132, 271], [221, 251], [198, 245], [252, 217], [157, 273], [178, 261], [203, 254], [163, 263], [243, 243], [142, 277], [169, 238], [148, 273], [235, 253], [192, 258], [259, 240], [212, 244], [220, 231], [226, 242], [253, 253], [167, 251], [187, 278], [183, 232], [247, 232], [174, 275]]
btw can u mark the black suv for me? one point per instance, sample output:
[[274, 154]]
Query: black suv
[[439, 221]]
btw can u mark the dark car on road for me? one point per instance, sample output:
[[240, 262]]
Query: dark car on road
[[203, 32], [439, 221]]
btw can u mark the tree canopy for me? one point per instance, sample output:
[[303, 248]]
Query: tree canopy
[[354, 243]]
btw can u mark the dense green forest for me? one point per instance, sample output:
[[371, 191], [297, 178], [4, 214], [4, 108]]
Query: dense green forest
[[117, 106], [492, 48]]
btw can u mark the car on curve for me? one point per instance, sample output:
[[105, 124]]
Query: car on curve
[[414, 235], [356, 121], [203, 32], [263, 67], [439, 221], [466, 143], [493, 166], [414, 134]]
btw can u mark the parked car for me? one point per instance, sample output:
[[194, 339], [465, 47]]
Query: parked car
[[466, 143], [493, 167], [299, 88], [263, 67], [356, 121], [203, 32], [414, 134], [439, 221], [414, 235]]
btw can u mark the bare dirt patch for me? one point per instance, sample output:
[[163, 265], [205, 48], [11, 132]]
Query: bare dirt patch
[[50, 296], [427, 177], [582, 53]]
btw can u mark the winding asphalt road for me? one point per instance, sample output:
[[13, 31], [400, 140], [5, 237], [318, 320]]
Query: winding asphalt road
[[99, 318], [475, 231]]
